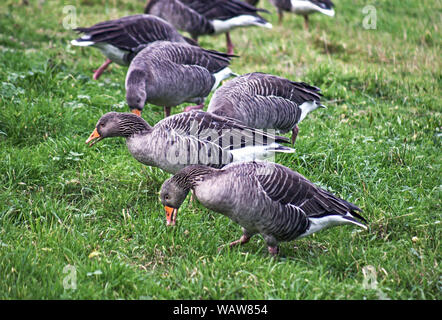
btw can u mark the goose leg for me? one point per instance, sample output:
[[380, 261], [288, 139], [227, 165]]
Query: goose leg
[[295, 131], [272, 244], [306, 22], [230, 45], [100, 70], [243, 240], [280, 15], [166, 111], [190, 108]]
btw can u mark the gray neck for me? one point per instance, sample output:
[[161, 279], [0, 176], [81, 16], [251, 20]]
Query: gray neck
[[130, 124], [188, 177]]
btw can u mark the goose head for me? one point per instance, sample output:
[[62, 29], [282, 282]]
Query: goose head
[[172, 196], [136, 90], [116, 124]]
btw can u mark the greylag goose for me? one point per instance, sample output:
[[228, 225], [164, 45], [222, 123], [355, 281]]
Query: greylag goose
[[304, 8], [265, 101], [121, 39], [263, 197], [169, 73], [205, 17], [195, 137]]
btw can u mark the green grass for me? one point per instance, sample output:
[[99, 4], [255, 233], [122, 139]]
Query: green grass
[[378, 144]]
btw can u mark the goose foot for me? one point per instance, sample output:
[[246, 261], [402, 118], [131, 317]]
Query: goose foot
[[295, 131], [190, 108], [273, 250], [100, 70], [243, 240]]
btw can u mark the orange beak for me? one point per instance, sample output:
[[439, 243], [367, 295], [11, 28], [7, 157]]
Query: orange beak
[[136, 111], [170, 215], [94, 135]]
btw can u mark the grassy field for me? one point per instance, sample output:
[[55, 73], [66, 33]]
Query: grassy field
[[86, 223]]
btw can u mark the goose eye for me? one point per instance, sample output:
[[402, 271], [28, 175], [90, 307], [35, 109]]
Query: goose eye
[[166, 197]]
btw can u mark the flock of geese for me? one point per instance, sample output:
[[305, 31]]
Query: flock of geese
[[217, 154]]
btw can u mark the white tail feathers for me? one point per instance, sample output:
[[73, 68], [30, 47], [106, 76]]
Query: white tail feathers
[[252, 153], [307, 7], [221, 26], [317, 224], [82, 43], [308, 107], [328, 12], [222, 75]]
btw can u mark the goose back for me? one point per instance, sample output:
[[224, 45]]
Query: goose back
[[303, 6], [130, 33], [222, 9], [264, 101], [181, 16], [173, 73]]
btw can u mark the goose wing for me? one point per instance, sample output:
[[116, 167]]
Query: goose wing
[[185, 54], [270, 85], [288, 187], [181, 16], [131, 32], [222, 9], [211, 138], [263, 100], [224, 132]]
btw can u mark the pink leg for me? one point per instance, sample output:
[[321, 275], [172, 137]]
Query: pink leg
[[244, 239], [190, 108], [99, 71], [295, 131], [230, 45]]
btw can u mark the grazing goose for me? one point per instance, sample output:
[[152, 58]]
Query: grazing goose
[[195, 137], [205, 17], [169, 73], [265, 101], [120, 40], [304, 8], [262, 197]]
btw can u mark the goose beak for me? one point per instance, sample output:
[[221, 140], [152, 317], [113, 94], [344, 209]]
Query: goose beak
[[136, 111], [94, 135], [171, 214]]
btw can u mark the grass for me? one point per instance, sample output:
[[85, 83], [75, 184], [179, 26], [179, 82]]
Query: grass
[[378, 144]]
